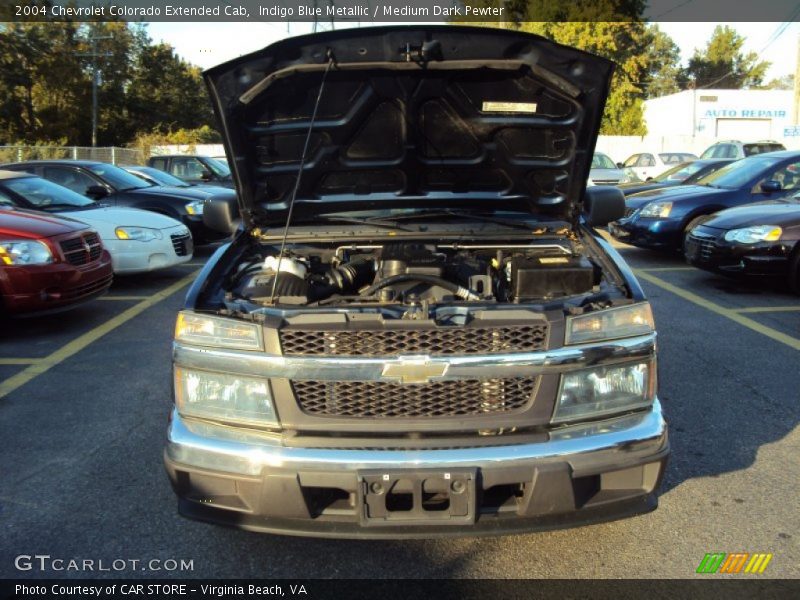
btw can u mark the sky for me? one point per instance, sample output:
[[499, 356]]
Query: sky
[[208, 44]]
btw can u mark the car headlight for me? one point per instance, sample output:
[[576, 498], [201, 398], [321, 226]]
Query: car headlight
[[208, 395], [656, 210], [195, 208], [603, 391], [138, 234], [628, 176], [752, 235], [24, 252], [218, 332], [611, 323]]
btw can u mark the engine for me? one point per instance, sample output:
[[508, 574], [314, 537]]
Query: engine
[[411, 272]]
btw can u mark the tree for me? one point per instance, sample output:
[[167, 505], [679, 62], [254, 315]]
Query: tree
[[722, 64], [665, 75], [781, 83]]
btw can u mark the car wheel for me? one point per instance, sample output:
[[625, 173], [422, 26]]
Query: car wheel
[[794, 271]]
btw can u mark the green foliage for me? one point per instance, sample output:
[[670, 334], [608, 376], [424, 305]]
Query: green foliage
[[722, 64], [781, 83], [181, 137], [46, 84]]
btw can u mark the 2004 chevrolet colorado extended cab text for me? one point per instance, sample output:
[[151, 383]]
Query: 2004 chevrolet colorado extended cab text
[[416, 330]]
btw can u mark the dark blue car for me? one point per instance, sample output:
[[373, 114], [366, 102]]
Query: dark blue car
[[660, 219]]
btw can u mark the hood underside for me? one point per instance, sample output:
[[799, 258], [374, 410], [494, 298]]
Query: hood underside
[[410, 117]]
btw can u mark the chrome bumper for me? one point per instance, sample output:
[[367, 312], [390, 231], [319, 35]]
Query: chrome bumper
[[590, 447]]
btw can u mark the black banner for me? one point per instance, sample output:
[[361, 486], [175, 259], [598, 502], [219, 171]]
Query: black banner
[[366, 12], [462, 589]]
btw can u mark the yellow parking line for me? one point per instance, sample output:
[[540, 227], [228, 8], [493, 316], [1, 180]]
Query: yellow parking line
[[767, 309], [19, 361], [79, 343], [193, 264], [123, 297], [729, 313], [667, 269]]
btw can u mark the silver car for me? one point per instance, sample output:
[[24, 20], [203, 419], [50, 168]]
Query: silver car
[[605, 172]]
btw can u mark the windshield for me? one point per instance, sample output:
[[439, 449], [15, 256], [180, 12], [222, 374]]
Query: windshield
[[680, 172], [601, 161], [118, 178], [739, 173], [160, 177], [46, 195], [220, 168]]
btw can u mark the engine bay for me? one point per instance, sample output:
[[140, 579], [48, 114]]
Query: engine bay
[[411, 273]]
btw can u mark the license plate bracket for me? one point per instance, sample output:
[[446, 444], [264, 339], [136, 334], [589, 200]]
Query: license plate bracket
[[423, 497]]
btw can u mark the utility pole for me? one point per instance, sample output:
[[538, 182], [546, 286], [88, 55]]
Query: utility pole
[[94, 55]]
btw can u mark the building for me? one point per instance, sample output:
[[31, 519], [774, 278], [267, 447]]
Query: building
[[746, 115]]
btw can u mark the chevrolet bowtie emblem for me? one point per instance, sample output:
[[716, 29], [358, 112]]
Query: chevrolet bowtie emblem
[[414, 369]]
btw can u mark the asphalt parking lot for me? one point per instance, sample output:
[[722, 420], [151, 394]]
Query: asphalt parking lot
[[85, 396]]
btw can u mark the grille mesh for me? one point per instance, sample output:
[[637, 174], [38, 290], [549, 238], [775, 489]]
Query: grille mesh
[[456, 398], [431, 341], [74, 249], [706, 245]]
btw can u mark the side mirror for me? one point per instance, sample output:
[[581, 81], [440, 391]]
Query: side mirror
[[221, 214], [206, 176], [770, 186], [603, 204], [96, 192], [620, 166]]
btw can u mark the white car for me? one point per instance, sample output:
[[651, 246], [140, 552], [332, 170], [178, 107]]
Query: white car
[[647, 165], [138, 240]]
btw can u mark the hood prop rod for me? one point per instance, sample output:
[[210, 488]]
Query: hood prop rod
[[329, 55]]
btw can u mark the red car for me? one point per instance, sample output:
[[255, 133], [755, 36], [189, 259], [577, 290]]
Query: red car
[[49, 263]]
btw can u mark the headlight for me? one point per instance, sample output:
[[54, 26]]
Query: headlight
[[656, 210], [611, 323], [195, 208], [21, 252], [218, 332], [757, 233], [628, 177], [139, 234], [224, 397], [605, 390]]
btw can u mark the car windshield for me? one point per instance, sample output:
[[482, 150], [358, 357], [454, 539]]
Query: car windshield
[[220, 169], [46, 195], [161, 177], [679, 172], [118, 178], [739, 173], [601, 161]]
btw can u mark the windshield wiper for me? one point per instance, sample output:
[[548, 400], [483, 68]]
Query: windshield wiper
[[378, 222], [483, 218]]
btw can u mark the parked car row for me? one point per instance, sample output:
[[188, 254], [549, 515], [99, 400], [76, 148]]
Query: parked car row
[[68, 226], [743, 218]]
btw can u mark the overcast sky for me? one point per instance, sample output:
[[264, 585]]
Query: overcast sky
[[208, 44]]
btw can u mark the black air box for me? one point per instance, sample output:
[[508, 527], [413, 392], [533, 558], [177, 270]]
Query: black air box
[[537, 277]]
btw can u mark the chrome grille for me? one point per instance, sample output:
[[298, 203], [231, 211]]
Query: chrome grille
[[431, 341], [386, 400], [82, 249], [182, 243]]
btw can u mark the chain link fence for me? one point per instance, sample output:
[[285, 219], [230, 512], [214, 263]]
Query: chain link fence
[[112, 154]]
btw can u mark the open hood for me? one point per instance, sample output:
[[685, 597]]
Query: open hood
[[410, 117]]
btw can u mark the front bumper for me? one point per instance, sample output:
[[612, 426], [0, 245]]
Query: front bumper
[[580, 474], [707, 249], [131, 256], [656, 234]]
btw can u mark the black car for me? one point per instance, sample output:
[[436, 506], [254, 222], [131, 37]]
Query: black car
[[685, 173], [117, 187], [760, 239], [194, 168], [159, 177], [661, 219]]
